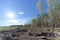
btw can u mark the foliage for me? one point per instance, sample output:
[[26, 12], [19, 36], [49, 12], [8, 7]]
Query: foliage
[[46, 19], [52, 3]]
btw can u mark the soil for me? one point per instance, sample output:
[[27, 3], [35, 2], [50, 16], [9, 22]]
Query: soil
[[23, 35]]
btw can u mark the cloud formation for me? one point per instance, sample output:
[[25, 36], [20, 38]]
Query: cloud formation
[[21, 13], [17, 21]]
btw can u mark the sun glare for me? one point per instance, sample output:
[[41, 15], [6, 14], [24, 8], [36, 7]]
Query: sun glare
[[10, 15]]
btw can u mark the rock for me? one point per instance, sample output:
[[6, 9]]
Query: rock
[[7, 38]]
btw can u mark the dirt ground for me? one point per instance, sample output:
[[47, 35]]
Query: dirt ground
[[24, 35]]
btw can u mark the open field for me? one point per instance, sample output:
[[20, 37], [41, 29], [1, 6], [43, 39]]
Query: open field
[[25, 35], [7, 28], [13, 28]]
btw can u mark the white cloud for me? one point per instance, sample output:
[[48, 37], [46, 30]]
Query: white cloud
[[13, 21], [17, 21], [21, 13]]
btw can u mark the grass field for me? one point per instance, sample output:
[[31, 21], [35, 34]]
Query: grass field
[[7, 28], [13, 28]]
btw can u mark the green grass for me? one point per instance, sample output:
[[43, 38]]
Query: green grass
[[7, 28], [13, 28]]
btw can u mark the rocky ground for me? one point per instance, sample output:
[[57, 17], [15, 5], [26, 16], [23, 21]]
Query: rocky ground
[[25, 35]]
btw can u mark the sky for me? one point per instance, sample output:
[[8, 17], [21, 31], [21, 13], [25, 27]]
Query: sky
[[17, 12]]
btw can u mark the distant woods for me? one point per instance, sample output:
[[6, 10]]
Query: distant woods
[[52, 18]]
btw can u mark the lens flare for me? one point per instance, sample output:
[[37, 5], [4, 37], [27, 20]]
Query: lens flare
[[10, 15]]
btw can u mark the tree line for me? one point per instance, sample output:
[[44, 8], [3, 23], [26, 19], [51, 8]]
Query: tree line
[[50, 19]]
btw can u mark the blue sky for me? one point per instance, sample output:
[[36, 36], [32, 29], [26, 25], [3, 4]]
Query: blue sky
[[17, 12]]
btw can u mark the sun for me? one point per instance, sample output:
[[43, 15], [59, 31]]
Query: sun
[[10, 15]]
